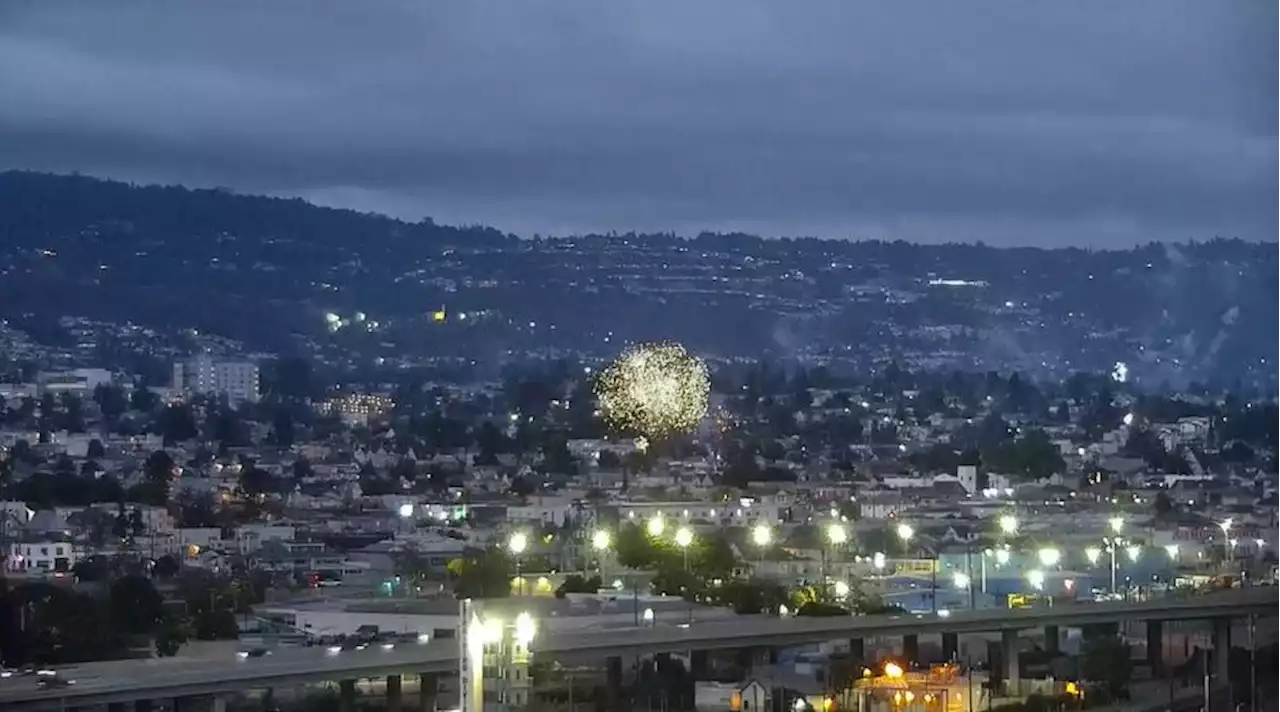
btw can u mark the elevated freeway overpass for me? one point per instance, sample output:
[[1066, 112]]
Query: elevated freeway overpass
[[131, 681]]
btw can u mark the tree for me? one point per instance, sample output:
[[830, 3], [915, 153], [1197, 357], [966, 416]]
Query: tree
[[482, 573], [111, 400], [282, 428], [177, 424], [143, 400], [136, 605], [576, 583], [96, 450], [1105, 659], [167, 567], [170, 634], [522, 486], [1163, 505]]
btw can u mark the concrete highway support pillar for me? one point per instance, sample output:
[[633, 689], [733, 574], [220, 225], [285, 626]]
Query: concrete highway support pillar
[[428, 690], [911, 648], [1155, 647], [218, 703], [698, 664], [1052, 639], [347, 695], [950, 646], [858, 650], [395, 700], [613, 681], [1009, 659], [1221, 649]]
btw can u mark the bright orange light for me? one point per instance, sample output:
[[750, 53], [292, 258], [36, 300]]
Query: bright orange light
[[439, 316], [892, 670]]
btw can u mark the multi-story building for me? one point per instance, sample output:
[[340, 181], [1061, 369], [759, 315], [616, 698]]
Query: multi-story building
[[237, 380], [39, 556]]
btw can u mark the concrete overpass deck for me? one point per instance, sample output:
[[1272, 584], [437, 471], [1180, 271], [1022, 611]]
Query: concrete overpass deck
[[102, 683]]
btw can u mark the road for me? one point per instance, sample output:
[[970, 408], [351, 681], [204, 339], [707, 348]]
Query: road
[[125, 681]]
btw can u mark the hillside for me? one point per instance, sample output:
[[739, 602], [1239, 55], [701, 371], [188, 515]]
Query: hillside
[[267, 271]]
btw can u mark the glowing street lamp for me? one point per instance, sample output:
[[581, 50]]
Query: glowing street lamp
[[1035, 577], [517, 544], [1133, 551], [526, 629], [1002, 556], [1008, 524], [1049, 557], [962, 580], [1117, 524], [655, 526], [842, 589], [878, 561], [762, 537], [600, 540], [1225, 525], [837, 535], [1092, 553], [684, 537], [1172, 551], [905, 532]]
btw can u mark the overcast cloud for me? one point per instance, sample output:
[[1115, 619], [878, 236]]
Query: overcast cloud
[[1095, 122]]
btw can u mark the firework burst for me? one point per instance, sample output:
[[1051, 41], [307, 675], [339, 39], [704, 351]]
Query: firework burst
[[658, 390]]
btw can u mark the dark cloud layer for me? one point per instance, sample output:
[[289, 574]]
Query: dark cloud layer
[[1018, 122]]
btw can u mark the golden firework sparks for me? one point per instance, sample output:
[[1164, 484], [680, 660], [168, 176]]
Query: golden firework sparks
[[658, 390]]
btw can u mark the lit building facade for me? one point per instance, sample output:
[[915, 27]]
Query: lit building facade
[[238, 380]]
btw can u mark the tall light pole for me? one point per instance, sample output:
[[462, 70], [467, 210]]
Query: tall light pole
[[1117, 525], [836, 536], [1228, 550], [684, 537], [600, 541], [518, 542], [762, 537]]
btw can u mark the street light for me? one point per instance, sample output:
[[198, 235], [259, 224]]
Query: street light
[[836, 535], [1008, 524], [905, 532], [1092, 553], [600, 541], [761, 536], [655, 526], [1225, 525], [526, 628], [1133, 551], [1002, 556], [1049, 557], [962, 580], [1036, 578], [1172, 551], [684, 537], [518, 542], [1117, 524]]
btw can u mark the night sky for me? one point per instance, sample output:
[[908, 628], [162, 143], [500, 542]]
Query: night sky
[[1035, 122]]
